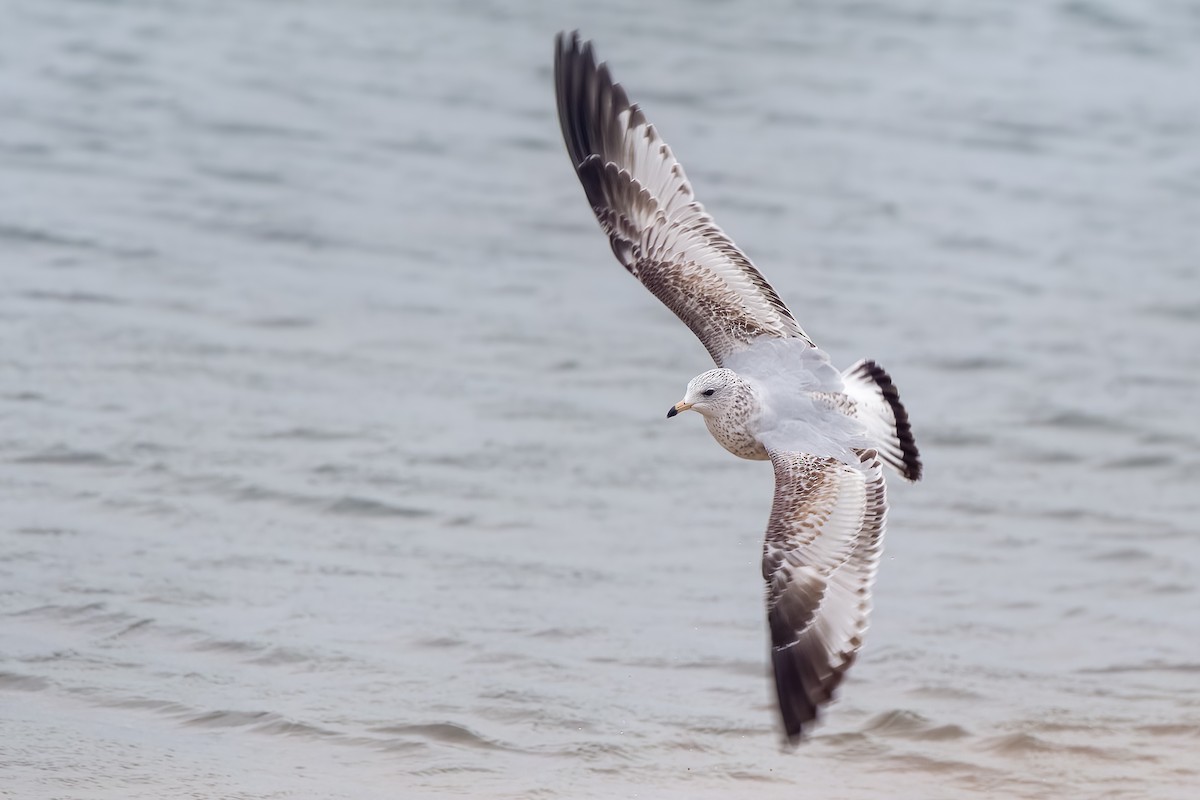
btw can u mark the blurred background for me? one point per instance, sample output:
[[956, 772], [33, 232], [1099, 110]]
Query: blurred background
[[333, 452]]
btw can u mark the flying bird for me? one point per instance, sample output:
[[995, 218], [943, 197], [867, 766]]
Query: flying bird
[[773, 396]]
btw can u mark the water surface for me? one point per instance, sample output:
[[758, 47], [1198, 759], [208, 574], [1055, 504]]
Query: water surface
[[333, 452]]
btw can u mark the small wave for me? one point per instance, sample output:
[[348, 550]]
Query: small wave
[[164, 706], [135, 625], [365, 507], [255, 177], [904, 724], [40, 531], [23, 683], [267, 722], [1123, 554], [307, 434], [229, 719], [261, 653], [1149, 666], [603, 752], [465, 769], [259, 721], [239, 128], [228, 646], [943, 733], [946, 693], [279, 726], [1146, 461], [26, 397], [689, 746], [447, 733], [259, 494], [563, 633], [726, 730], [64, 456], [1019, 744], [440, 642], [972, 364], [60, 611], [758, 777], [346, 505], [1172, 588], [287, 323], [1076, 420], [921, 763], [277, 656], [73, 297], [1026, 744], [1171, 729], [28, 235], [1101, 16], [1050, 457], [853, 745], [1186, 312]]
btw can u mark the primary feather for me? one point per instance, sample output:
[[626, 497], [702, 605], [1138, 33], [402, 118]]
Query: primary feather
[[645, 204]]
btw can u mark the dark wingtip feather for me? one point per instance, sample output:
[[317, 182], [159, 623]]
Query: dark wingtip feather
[[800, 690], [795, 707], [589, 100], [911, 457], [799, 687]]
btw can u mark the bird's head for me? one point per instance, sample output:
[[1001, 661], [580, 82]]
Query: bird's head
[[708, 394]]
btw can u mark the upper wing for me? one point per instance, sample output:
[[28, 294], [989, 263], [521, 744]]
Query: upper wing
[[645, 204], [819, 560]]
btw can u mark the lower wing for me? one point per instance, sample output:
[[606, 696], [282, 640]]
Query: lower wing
[[821, 552]]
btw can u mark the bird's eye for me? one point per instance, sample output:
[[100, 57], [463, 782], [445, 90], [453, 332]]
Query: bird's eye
[[708, 392]]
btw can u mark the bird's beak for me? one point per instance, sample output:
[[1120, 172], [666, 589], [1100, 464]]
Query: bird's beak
[[680, 406]]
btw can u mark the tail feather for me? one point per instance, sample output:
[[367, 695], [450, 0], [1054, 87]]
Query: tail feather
[[877, 404]]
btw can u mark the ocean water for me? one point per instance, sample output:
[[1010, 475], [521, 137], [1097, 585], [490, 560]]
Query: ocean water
[[333, 458]]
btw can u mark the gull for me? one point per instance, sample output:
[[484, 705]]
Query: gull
[[773, 396]]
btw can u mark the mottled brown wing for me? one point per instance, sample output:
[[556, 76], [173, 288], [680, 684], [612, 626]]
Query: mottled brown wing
[[819, 560], [645, 204]]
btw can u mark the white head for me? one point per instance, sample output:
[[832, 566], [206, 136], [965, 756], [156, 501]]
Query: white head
[[710, 394]]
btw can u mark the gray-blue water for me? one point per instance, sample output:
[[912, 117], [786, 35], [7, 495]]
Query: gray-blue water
[[332, 449]]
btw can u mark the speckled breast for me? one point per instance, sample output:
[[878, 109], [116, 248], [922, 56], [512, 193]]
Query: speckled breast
[[737, 439]]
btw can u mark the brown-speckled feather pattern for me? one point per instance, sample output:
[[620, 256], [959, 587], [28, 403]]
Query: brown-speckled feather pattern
[[821, 552], [645, 204], [734, 427]]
